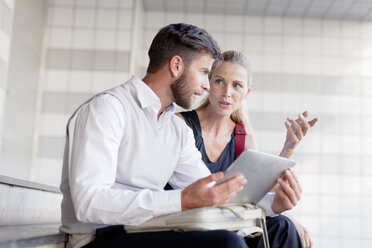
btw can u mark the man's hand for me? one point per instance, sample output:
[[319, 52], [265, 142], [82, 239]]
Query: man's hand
[[287, 192], [199, 194], [296, 130]]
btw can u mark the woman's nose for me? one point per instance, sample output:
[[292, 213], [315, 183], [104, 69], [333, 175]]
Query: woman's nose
[[226, 92]]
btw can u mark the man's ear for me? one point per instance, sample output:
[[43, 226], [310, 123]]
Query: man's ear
[[176, 66]]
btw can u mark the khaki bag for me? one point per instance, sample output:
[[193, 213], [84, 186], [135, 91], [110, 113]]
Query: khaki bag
[[246, 220]]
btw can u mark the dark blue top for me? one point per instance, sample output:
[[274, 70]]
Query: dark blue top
[[228, 154]]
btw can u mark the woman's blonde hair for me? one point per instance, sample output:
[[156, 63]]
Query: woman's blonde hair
[[241, 114]]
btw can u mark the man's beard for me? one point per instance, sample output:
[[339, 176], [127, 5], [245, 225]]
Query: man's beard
[[182, 94]]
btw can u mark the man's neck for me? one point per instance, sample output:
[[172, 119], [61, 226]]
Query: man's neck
[[161, 87]]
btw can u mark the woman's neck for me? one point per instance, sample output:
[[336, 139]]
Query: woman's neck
[[213, 124]]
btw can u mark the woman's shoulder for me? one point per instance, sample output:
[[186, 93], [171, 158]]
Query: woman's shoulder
[[191, 119]]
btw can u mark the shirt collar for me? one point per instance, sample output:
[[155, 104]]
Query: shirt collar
[[147, 97]]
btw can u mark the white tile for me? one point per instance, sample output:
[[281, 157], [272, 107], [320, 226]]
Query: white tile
[[311, 45], [123, 41], [349, 205], [4, 48], [366, 67], [329, 205], [351, 105], [83, 38], [331, 46], [108, 3], [105, 39], [351, 47], [330, 184], [272, 63], [234, 24], [107, 18], [330, 225], [126, 3], [312, 224], [292, 44], [233, 42], [273, 25], [272, 44], [80, 82], [56, 80], [9, 3], [366, 29], [292, 64], [215, 22], [292, 102], [311, 186], [256, 62], [85, 3], [125, 19], [351, 66], [85, 17], [253, 43], [148, 37], [62, 16], [332, 66], [219, 37], [253, 25], [366, 106], [366, 145], [312, 65], [63, 2], [354, 232], [53, 124], [351, 29], [312, 27], [102, 81], [60, 37], [331, 144], [155, 20], [293, 26], [49, 171], [195, 19], [332, 28], [271, 102], [350, 144], [269, 141], [174, 18]]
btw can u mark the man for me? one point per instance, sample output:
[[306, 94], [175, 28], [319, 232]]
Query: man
[[125, 144]]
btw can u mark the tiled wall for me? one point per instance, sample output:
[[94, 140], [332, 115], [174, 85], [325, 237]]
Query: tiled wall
[[22, 86], [88, 50], [323, 67], [6, 14]]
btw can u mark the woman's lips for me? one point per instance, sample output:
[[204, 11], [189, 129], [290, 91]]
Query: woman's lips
[[224, 104]]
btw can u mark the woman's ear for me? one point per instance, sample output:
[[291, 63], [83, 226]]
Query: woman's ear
[[176, 66], [249, 90]]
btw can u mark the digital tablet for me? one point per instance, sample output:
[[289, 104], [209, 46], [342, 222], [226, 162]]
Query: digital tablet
[[261, 171]]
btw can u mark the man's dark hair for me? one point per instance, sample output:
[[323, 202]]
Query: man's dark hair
[[184, 40]]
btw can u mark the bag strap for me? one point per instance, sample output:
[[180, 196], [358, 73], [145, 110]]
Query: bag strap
[[239, 139]]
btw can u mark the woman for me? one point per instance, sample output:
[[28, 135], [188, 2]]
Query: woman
[[216, 122]]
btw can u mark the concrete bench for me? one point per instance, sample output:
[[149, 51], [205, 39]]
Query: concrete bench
[[29, 214]]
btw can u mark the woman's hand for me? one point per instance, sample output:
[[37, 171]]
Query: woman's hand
[[296, 130]]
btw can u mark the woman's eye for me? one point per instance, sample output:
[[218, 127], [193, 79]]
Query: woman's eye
[[237, 86], [218, 81]]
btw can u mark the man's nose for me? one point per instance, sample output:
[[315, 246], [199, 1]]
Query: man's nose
[[205, 85]]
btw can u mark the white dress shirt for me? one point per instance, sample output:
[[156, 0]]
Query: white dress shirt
[[118, 158]]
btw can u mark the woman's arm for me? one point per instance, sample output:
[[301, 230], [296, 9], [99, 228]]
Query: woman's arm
[[296, 130]]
